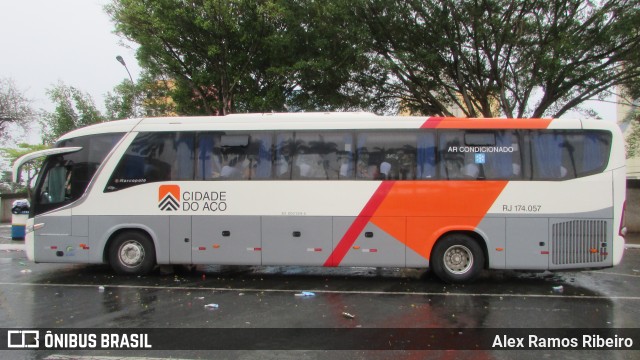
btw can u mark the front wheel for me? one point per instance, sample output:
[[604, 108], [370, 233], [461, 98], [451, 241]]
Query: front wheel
[[132, 252], [457, 258]]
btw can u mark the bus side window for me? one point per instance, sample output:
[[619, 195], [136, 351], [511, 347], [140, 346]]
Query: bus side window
[[207, 161], [154, 157], [594, 149], [480, 154], [259, 155], [387, 155], [182, 167], [426, 156], [323, 156], [283, 156], [505, 161], [553, 156], [451, 151]]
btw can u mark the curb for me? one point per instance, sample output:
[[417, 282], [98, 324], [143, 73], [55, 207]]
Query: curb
[[12, 247]]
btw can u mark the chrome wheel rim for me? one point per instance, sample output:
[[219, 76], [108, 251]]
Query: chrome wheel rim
[[131, 253], [458, 259]]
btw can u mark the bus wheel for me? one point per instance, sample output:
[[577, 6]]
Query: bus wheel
[[132, 252], [457, 258]]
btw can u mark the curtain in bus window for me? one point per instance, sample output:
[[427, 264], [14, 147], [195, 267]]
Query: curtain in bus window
[[547, 155], [452, 159], [593, 156], [500, 164], [347, 160], [263, 166], [426, 156], [364, 168], [183, 167], [282, 164], [57, 177], [205, 141], [205, 156]]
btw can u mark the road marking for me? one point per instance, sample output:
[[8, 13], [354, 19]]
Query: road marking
[[78, 357], [323, 291]]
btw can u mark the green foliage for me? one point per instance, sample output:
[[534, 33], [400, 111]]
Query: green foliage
[[74, 109], [29, 170], [488, 58], [150, 96], [243, 55], [495, 57], [124, 102]]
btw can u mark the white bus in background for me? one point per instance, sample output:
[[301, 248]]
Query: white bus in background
[[333, 189]]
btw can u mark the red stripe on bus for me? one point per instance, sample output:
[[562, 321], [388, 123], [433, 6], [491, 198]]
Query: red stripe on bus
[[488, 123], [432, 123], [358, 225]]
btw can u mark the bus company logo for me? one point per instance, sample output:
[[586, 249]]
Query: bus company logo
[[169, 197]]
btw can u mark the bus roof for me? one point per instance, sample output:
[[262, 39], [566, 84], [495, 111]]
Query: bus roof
[[327, 121]]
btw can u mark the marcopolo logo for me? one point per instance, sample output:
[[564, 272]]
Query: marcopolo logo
[[169, 197]]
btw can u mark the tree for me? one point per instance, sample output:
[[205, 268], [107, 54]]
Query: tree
[[204, 46], [242, 55], [150, 96], [15, 107], [29, 170], [487, 57], [498, 57], [74, 109], [124, 102]]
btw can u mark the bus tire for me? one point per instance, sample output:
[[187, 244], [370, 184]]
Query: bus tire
[[457, 258], [132, 252]]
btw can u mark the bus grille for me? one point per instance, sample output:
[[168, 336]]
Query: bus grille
[[579, 242]]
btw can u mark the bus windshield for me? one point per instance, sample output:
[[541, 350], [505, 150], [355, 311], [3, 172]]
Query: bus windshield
[[65, 177]]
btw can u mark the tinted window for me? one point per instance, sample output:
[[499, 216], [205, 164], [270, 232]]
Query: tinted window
[[323, 156], [154, 157], [426, 156], [284, 149], [234, 156], [390, 156], [491, 154], [66, 177], [557, 155]]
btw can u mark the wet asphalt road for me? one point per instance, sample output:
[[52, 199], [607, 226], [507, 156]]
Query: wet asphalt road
[[90, 296]]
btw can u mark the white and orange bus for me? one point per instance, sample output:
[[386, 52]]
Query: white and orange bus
[[333, 189]]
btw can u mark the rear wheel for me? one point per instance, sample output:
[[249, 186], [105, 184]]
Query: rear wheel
[[457, 258], [132, 252]]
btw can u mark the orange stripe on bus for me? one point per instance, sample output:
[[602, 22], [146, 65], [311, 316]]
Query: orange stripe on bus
[[490, 123], [433, 208]]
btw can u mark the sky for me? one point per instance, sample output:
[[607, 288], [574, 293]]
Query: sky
[[47, 41]]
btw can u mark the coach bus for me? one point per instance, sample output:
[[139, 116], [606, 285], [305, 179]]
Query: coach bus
[[333, 189]]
